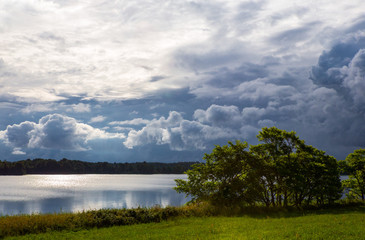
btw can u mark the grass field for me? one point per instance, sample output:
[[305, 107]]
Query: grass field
[[327, 224]]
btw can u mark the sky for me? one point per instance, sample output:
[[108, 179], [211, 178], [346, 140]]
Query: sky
[[128, 81]]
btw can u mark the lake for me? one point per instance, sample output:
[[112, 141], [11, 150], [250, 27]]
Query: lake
[[72, 193]]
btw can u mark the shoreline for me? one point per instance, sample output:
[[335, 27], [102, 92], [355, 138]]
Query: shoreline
[[40, 223]]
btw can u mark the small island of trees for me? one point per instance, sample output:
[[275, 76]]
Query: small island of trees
[[281, 171]]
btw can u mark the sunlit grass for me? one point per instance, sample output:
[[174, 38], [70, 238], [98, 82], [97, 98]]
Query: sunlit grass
[[192, 222], [334, 225]]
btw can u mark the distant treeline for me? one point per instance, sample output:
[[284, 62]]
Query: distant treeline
[[65, 166]]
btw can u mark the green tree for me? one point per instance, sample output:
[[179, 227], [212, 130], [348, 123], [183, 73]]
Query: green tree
[[228, 176], [321, 175], [354, 165], [293, 172], [281, 171], [277, 155]]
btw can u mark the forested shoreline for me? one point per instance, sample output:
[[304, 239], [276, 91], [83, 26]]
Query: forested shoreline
[[66, 166]]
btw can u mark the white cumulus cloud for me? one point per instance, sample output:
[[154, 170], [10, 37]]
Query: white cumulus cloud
[[97, 119], [53, 131], [214, 123]]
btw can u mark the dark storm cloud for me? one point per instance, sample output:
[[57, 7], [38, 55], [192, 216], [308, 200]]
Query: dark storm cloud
[[343, 69], [355, 79], [229, 78], [326, 108], [329, 72], [336, 107]]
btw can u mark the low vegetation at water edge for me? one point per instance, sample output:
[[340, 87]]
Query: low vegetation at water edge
[[341, 222], [38, 223]]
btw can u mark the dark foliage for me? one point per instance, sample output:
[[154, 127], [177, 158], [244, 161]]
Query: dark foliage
[[282, 171], [65, 166]]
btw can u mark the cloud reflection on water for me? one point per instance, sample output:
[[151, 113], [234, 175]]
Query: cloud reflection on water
[[43, 198]]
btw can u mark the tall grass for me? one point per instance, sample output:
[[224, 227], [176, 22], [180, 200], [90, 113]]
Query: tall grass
[[38, 223], [41, 223], [329, 224]]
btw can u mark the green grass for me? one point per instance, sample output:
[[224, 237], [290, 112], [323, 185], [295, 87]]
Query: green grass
[[320, 224], [39, 223]]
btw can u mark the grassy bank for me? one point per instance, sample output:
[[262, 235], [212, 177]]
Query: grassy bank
[[39, 223], [202, 222], [323, 224]]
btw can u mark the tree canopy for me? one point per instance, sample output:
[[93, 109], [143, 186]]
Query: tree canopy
[[226, 177], [354, 165], [281, 171]]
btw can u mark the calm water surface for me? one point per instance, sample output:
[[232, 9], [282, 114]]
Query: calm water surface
[[72, 193]]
